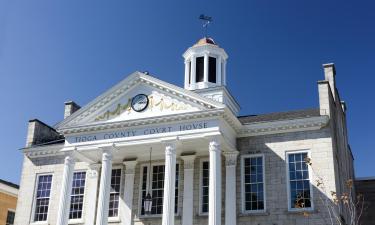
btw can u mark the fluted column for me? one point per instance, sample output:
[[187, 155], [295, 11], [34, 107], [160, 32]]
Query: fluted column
[[214, 213], [193, 71], [187, 74], [66, 189], [169, 184], [230, 188], [105, 183], [205, 68], [126, 215], [91, 194], [187, 207]]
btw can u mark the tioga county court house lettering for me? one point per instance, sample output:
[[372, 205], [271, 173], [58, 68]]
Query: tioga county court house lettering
[[141, 131], [147, 152]]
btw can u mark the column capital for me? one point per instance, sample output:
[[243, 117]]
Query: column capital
[[94, 170], [130, 166], [231, 158], [214, 145], [188, 161], [69, 159]]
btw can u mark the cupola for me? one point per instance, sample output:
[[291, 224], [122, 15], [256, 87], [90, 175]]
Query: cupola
[[205, 65]]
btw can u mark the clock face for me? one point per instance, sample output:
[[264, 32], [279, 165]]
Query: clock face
[[139, 102]]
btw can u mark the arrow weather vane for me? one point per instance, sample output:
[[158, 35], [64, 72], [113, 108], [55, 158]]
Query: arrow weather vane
[[206, 20]]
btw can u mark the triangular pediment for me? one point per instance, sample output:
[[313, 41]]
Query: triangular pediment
[[115, 105]]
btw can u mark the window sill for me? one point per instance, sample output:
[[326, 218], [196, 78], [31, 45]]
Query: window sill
[[298, 211], [75, 221], [254, 213], [114, 220], [202, 214], [150, 217], [39, 223]]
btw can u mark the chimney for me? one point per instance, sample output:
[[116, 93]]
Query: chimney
[[330, 73], [70, 108], [39, 133]]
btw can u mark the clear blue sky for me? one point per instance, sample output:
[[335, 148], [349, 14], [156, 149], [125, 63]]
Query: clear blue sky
[[53, 51]]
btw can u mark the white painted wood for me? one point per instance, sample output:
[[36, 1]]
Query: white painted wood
[[91, 193], [126, 213], [169, 184], [66, 189], [105, 183], [230, 188], [187, 208], [214, 211]]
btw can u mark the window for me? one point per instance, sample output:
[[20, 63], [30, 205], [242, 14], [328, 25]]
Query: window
[[157, 188], [253, 194], [205, 180], [199, 69], [212, 70], [299, 181], [78, 192], [43, 193], [10, 218], [114, 195]]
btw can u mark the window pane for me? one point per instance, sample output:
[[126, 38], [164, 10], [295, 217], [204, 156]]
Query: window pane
[[199, 69], [205, 188], [157, 188], [253, 183], [42, 197], [78, 192], [212, 70], [10, 218], [299, 181], [114, 193]]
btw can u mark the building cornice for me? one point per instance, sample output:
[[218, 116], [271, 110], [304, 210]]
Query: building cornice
[[283, 126], [6, 189]]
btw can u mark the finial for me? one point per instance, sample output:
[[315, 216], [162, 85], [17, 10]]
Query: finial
[[206, 21]]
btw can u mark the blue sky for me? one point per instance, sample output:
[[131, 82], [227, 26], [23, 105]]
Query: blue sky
[[54, 51]]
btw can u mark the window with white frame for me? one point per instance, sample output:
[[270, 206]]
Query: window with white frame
[[205, 180], [299, 181], [78, 192], [156, 188], [10, 218], [43, 192], [253, 194], [114, 196]]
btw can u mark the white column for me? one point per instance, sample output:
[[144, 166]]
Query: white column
[[193, 71], [230, 188], [66, 189], [218, 70], [187, 74], [187, 207], [169, 184], [126, 215], [91, 194], [205, 73], [214, 213], [224, 72], [105, 184]]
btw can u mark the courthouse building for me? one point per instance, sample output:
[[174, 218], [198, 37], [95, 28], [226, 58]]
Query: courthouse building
[[148, 152]]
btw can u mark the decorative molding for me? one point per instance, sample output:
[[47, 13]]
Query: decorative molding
[[283, 126], [231, 158], [126, 85], [214, 145], [188, 161], [130, 166], [93, 172]]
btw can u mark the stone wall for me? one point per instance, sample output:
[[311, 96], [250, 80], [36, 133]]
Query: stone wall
[[367, 188]]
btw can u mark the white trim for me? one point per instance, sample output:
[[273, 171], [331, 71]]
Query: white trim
[[79, 220], [157, 163], [201, 161], [290, 209], [243, 209], [117, 218], [9, 190], [34, 198]]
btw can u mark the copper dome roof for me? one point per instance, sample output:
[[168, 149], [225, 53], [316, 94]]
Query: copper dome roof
[[205, 40]]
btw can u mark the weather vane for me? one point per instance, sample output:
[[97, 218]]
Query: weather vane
[[206, 21]]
